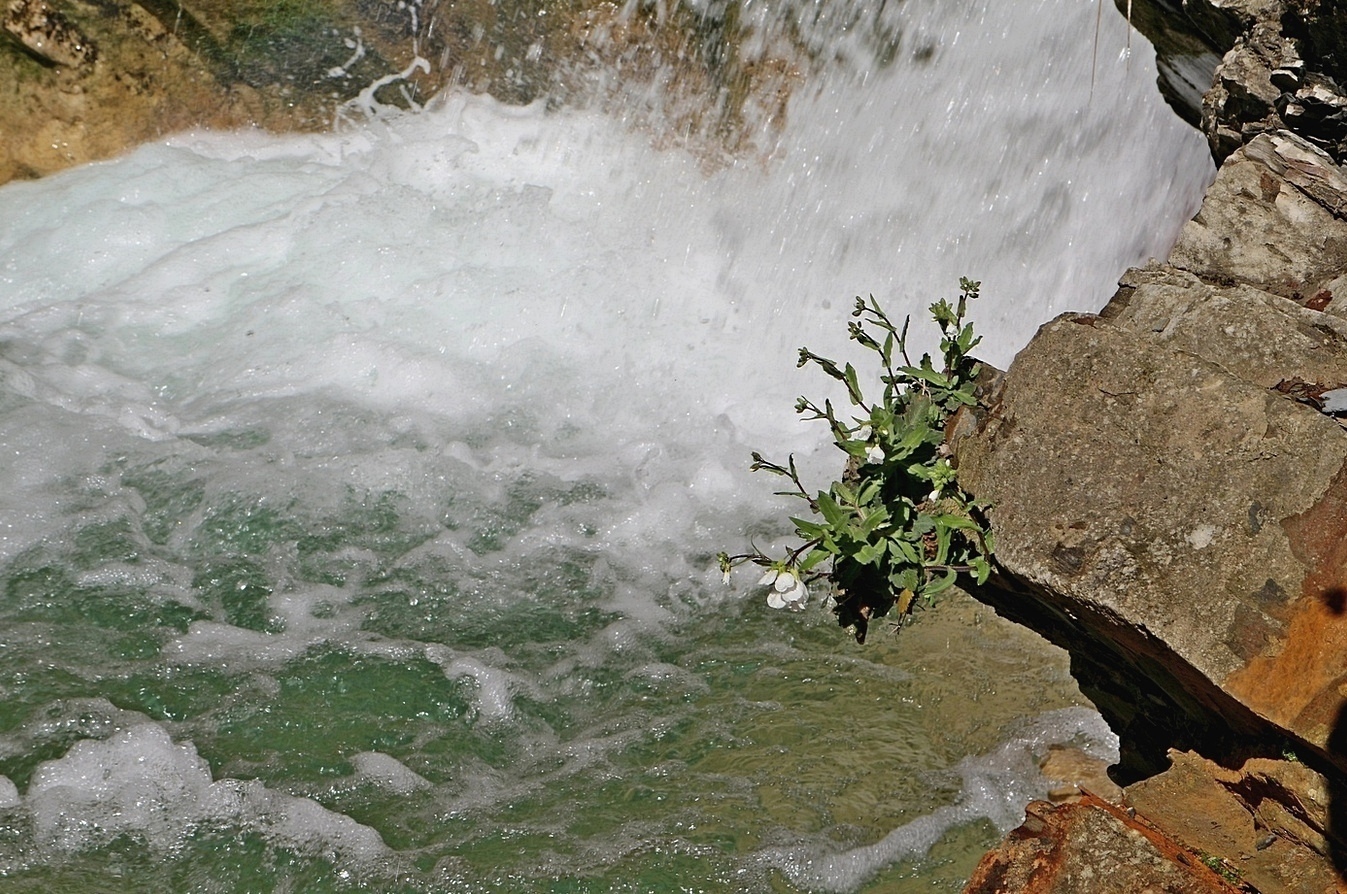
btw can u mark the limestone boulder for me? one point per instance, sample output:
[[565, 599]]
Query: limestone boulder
[[1266, 823], [1240, 68], [1168, 497], [1273, 218], [1242, 101]]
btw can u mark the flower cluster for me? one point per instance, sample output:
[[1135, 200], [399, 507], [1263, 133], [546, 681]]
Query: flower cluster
[[897, 528], [788, 590]]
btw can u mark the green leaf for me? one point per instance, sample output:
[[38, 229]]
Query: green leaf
[[906, 579], [832, 513], [870, 553], [958, 522], [926, 373], [815, 556], [807, 529], [857, 449], [939, 584], [853, 385], [873, 521], [941, 545], [904, 551]]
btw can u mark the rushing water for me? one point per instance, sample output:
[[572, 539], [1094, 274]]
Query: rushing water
[[360, 492]]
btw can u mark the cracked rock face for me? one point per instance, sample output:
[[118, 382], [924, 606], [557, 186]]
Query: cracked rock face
[[1091, 847], [1197, 827], [1240, 68], [1158, 485], [163, 65], [1168, 489], [1169, 499], [1274, 219]]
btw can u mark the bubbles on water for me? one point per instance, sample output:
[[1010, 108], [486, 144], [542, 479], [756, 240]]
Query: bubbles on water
[[995, 787], [139, 782], [386, 469], [386, 772]]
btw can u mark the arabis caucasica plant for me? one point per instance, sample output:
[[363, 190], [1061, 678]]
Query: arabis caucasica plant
[[897, 529]]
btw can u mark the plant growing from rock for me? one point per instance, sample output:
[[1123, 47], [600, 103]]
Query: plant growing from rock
[[896, 530]]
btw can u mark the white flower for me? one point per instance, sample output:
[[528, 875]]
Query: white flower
[[725, 577], [875, 454], [788, 590], [941, 476]]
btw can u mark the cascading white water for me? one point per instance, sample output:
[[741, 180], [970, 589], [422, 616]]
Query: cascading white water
[[361, 491]]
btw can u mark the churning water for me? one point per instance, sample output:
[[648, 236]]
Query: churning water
[[360, 493]]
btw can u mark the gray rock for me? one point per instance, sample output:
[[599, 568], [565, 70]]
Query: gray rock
[[1243, 100], [1139, 499], [1273, 218], [1169, 500], [1168, 489]]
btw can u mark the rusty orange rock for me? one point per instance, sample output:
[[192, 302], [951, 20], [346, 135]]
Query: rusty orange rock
[[1091, 847]]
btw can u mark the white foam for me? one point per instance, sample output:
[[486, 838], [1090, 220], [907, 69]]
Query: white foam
[[996, 786], [377, 768], [478, 306], [136, 781], [492, 699], [140, 782]]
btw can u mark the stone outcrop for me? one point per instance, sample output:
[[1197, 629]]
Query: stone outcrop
[[1264, 824], [81, 81], [1240, 68], [1198, 827], [84, 79], [1168, 490], [1077, 848], [1155, 489]]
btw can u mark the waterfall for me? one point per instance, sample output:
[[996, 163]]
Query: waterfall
[[362, 490]]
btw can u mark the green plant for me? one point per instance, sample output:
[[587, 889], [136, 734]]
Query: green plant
[[896, 530], [1222, 868]]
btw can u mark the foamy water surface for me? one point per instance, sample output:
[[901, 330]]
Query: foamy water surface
[[361, 491]]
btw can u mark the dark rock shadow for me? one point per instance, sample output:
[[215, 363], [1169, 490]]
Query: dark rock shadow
[[1337, 795], [1335, 599]]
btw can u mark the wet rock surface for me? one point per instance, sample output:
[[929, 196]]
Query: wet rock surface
[[47, 34], [1091, 847], [1168, 481], [1197, 826], [1249, 67], [1169, 497], [85, 79], [1263, 824]]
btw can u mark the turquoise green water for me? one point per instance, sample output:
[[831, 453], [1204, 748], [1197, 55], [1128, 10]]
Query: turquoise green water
[[360, 494], [619, 759]]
